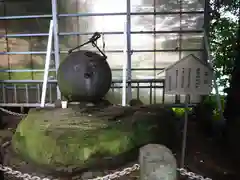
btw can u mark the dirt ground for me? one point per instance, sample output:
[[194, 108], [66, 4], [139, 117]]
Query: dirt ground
[[203, 156], [206, 157]]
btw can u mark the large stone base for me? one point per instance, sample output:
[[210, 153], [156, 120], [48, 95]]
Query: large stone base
[[91, 138], [11, 159]]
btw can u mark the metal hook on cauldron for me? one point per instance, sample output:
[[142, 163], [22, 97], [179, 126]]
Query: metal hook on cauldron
[[92, 40]]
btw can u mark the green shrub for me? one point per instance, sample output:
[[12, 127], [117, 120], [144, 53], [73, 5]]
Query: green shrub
[[212, 102], [209, 103], [180, 111]]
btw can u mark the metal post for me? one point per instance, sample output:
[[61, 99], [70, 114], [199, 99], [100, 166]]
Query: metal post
[[124, 67], [47, 63], [154, 47], [56, 40], [129, 52], [184, 139], [177, 96], [180, 29], [206, 27]]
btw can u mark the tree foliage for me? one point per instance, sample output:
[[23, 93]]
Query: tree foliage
[[223, 37]]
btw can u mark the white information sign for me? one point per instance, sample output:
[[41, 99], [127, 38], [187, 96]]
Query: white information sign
[[189, 76]]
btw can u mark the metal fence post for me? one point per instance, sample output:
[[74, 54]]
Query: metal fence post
[[129, 51], [56, 39]]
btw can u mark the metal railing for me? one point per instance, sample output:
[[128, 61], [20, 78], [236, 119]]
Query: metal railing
[[105, 33], [27, 93], [99, 14], [107, 51]]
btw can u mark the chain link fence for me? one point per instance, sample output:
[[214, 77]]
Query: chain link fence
[[115, 175]]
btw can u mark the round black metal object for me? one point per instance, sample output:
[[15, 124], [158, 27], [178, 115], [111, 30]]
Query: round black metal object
[[84, 76]]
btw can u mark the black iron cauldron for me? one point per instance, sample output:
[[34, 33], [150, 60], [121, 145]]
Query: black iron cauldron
[[84, 76]]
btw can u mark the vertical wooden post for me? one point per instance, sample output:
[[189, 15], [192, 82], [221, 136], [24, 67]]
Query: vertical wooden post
[[157, 163]]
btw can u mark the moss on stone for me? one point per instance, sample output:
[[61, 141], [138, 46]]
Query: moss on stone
[[63, 137], [60, 137]]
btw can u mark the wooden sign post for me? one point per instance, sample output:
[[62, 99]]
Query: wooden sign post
[[191, 77]]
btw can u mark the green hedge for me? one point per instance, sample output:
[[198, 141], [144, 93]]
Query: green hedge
[[209, 101]]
